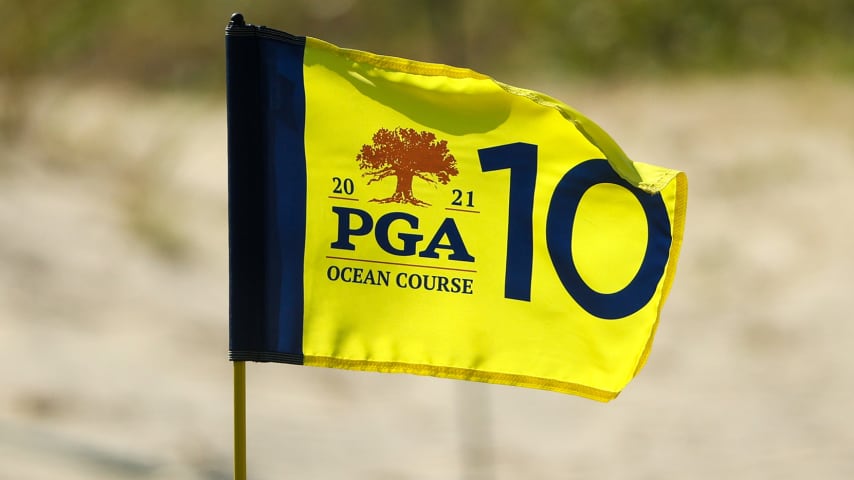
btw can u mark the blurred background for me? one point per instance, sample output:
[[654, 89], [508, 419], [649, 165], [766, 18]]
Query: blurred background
[[113, 246]]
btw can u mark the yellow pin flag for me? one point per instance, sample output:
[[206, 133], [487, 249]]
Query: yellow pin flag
[[398, 216]]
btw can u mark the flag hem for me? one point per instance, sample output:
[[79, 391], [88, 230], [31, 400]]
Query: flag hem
[[453, 373], [457, 373], [403, 65], [677, 235]]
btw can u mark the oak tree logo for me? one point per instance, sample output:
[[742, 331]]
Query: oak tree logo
[[406, 154]]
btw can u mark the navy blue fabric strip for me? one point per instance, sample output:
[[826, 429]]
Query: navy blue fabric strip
[[246, 207], [267, 184], [285, 116]]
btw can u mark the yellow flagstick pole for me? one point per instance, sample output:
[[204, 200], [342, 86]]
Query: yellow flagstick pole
[[239, 420]]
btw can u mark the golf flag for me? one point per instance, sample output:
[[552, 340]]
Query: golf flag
[[396, 216]]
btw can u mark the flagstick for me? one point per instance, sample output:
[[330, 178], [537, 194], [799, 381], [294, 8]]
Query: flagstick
[[239, 420]]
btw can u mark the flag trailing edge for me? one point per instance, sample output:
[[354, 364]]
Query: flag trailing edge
[[398, 216]]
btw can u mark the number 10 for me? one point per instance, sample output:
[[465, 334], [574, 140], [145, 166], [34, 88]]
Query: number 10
[[521, 160]]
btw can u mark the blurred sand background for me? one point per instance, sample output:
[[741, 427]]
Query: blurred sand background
[[113, 248]]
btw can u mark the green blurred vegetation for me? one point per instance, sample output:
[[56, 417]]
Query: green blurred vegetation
[[180, 43]]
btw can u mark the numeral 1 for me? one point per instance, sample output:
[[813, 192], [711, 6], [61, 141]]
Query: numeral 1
[[521, 159]]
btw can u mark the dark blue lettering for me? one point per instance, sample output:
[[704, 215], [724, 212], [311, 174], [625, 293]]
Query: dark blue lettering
[[409, 239], [345, 230], [559, 223], [521, 159], [455, 243]]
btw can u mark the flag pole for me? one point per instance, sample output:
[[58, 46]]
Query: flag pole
[[239, 420]]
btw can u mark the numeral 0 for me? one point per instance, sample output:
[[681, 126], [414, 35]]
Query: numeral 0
[[521, 160]]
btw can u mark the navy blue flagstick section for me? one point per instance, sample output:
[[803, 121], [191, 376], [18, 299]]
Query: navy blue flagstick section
[[266, 192]]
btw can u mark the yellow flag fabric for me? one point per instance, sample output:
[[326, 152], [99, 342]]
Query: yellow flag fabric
[[397, 216]]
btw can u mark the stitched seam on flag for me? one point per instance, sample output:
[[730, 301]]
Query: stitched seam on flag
[[463, 374], [680, 210], [398, 64], [659, 183]]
